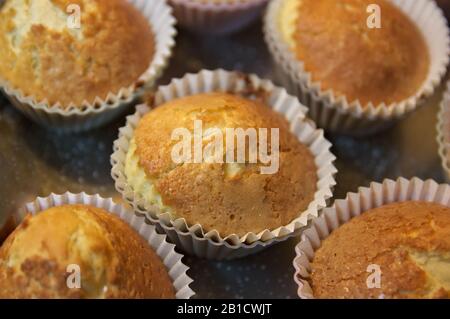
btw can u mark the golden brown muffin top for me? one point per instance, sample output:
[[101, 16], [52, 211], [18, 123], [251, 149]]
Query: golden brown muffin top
[[410, 241], [221, 196], [46, 59], [114, 260], [385, 65]]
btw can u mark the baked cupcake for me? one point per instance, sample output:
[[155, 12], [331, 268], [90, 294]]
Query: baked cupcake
[[393, 243], [232, 198], [45, 253], [349, 68], [79, 59], [217, 194], [217, 16]]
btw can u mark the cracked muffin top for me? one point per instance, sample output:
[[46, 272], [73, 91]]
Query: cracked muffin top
[[232, 197], [45, 56], [114, 261], [339, 50], [409, 241]]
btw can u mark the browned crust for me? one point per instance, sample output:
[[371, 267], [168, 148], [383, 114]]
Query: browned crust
[[385, 236], [34, 258], [202, 193], [384, 65], [116, 50]]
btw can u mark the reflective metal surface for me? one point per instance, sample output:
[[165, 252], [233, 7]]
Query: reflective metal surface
[[35, 161]]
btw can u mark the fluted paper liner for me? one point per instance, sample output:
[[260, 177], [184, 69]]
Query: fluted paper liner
[[334, 112], [95, 113], [353, 205], [192, 238], [216, 17], [443, 129], [166, 251]]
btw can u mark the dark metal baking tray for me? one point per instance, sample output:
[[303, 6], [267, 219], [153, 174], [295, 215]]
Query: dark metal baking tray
[[35, 161]]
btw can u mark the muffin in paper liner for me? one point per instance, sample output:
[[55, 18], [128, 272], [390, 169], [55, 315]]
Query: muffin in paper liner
[[376, 195], [216, 16], [337, 114], [75, 118], [443, 129], [192, 238], [166, 251]]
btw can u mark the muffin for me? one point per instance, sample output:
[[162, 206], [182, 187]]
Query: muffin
[[74, 65], [114, 261], [389, 240], [385, 65], [218, 99], [355, 77], [229, 197], [409, 241], [217, 16], [46, 59]]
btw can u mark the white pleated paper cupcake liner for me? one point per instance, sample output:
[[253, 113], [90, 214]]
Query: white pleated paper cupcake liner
[[91, 114], [353, 205], [210, 244], [337, 114], [166, 251], [216, 17], [443, 131]]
